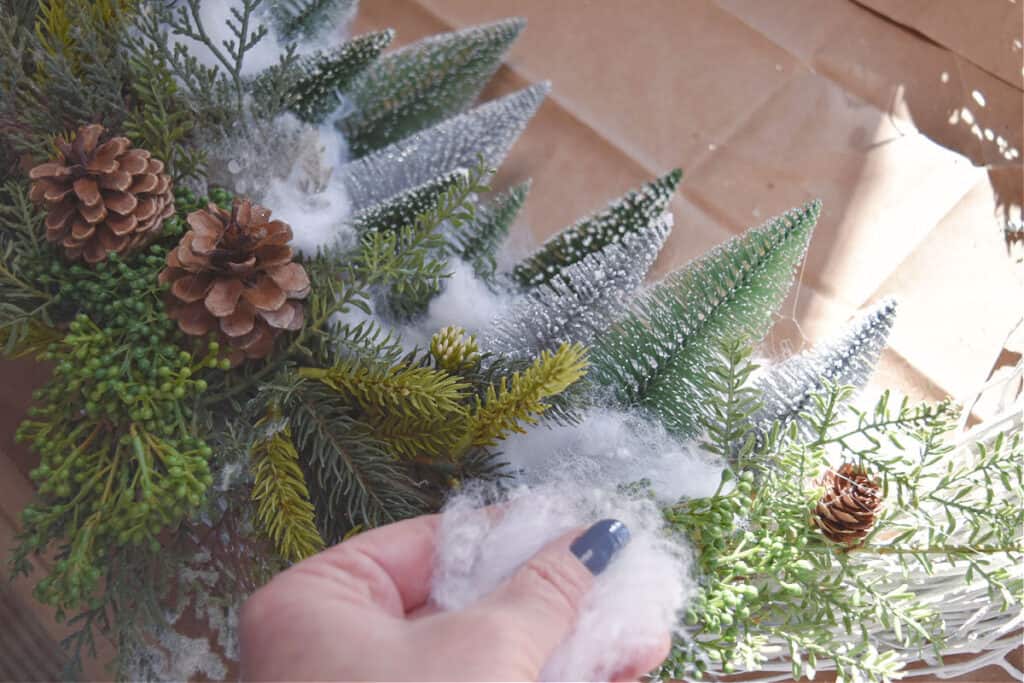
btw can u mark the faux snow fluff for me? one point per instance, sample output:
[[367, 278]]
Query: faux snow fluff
[[633, 603]]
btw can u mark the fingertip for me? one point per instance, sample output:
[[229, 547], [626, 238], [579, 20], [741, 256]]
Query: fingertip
[[645, 661]]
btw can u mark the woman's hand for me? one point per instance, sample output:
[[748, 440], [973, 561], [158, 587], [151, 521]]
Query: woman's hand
[[360, 611]]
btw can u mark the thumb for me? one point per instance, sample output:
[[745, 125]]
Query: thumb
[[539, 604]]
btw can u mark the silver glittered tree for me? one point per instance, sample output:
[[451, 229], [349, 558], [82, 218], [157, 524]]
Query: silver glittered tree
[[585, 299], [633, 211], [788, 388], [486, 131], [401, 210]]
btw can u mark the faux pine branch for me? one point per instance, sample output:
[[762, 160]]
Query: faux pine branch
[[279, 490], [478, 242], [459, 142], [352, 477], [521, 398], [403, 390]]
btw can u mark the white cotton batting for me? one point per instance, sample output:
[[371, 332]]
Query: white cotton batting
[[608, 448], [633, 603]]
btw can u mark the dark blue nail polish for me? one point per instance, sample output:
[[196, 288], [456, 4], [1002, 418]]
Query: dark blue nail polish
[[600, 543]]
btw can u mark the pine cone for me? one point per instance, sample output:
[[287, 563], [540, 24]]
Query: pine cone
[[233, 271], [102, 199], [850, 505]]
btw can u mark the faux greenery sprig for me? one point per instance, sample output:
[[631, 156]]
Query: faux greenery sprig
[[770, 578]]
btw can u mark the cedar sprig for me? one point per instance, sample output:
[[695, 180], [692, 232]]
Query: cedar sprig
[[208, 93], [51, 83], [769, 578], [161, 120], [27, 269], [298, 19], [186, 20]]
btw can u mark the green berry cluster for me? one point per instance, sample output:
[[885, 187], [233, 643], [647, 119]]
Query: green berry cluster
[[746, 570], [101, 489], [119, 462], [187, 201]]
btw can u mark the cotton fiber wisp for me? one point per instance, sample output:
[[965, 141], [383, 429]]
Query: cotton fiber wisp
[[633, 603]]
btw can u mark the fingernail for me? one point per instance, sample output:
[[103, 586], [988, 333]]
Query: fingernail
[[596, 547]]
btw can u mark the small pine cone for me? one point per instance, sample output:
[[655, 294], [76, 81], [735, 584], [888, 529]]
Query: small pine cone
[[453, 349], [102, 198], [850, 505], [233, 272]]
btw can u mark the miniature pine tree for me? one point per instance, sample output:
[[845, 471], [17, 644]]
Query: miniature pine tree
[[658, 355], [588, 297], [401, 210], [478, 242], [307, 19], [849, 358], [634, 211], [326, 75], [423, 84], [484, 132]]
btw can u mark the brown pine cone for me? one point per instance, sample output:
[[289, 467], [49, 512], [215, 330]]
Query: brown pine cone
[[102, 198], [233, 272], [850, 505]]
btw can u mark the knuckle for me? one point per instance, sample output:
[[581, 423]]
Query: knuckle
[[495, 627], [560, 585]]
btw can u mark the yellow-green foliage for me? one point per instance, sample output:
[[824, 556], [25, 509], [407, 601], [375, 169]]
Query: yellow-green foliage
[[35, 340], [404, 390], [283, 506], [454, 350], [56, 21], [415, 410], [424, 412], [523, 398]]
